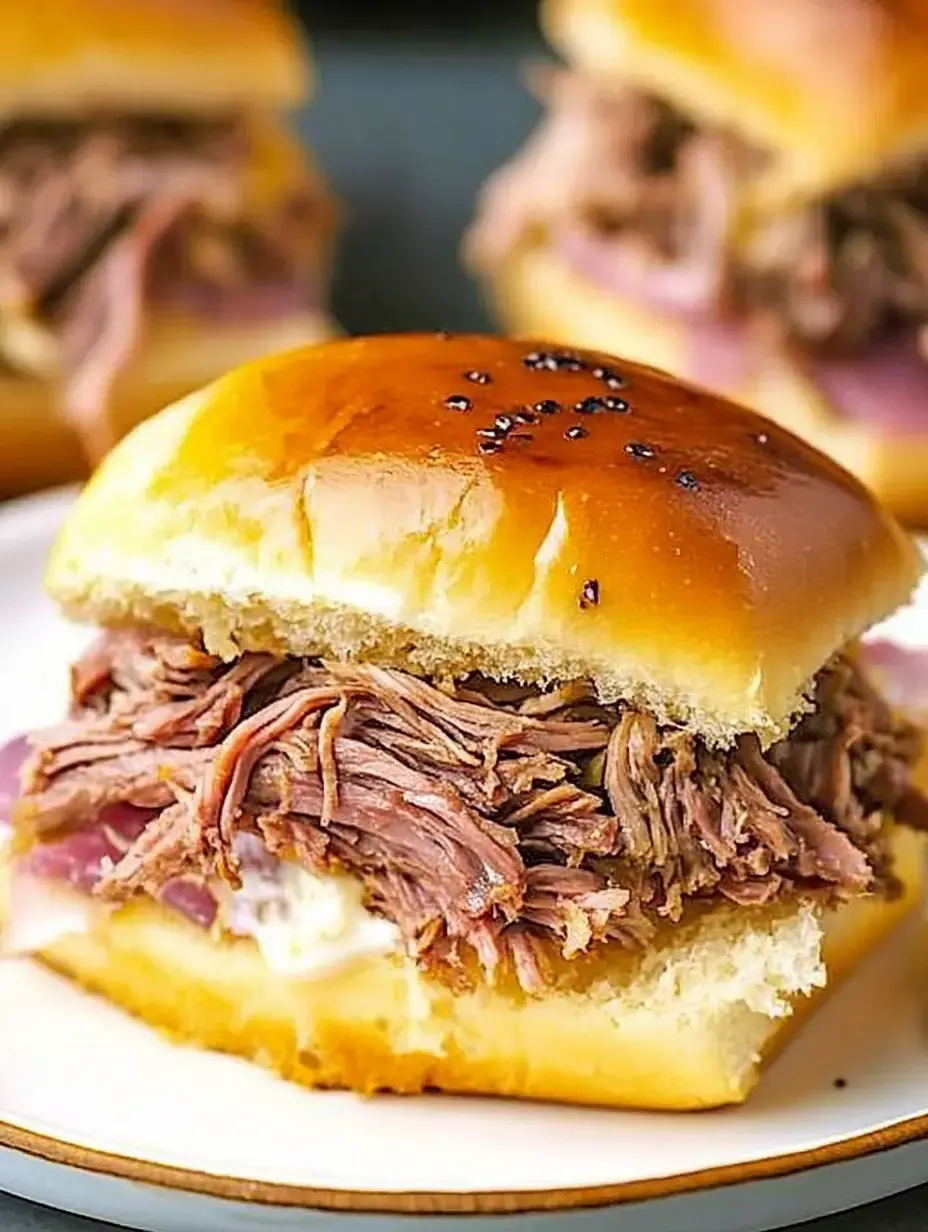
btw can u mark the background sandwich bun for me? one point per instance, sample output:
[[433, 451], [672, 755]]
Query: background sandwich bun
[[60, 58], [177, 352]]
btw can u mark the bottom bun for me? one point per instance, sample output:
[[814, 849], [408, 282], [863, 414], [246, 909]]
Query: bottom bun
[[537, 294], [177, 354], [685, 1025]]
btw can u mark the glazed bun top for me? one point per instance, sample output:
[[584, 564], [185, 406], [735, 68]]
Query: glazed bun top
[[61, 57], [472, 503], [834, 89]]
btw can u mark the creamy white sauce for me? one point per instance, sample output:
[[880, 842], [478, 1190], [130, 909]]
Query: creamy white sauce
[[41, 914], [305, 924], [302, 924], [907, 626]]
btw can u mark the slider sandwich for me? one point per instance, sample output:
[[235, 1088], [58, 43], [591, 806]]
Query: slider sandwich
[[736, 192], [470, 715], [158, 224]]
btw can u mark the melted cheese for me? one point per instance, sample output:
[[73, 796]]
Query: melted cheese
[[42, 913]]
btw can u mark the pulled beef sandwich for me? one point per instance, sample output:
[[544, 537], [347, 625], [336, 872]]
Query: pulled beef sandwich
[[737, 193], [473, 716], [157, 222]]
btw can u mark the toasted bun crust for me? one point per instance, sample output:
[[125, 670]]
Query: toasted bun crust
[[177, 353], [686, 1025], [58, 57], [536, 292], [833, 89], [329, 501]]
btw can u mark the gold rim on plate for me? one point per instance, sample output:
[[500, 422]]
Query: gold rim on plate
[[489, 1202]]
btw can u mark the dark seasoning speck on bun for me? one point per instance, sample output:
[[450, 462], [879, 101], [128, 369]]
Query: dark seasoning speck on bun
[[492, 440]]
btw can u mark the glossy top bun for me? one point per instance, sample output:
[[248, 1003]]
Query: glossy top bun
[[832, 89], [58, 57], [348, 499]]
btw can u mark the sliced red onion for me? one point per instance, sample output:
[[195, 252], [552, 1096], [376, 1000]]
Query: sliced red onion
[[675, 287], [716, 347], [887, 387], [900, 671], [13, 755], [125, 821], [81, 858], [191, 899]]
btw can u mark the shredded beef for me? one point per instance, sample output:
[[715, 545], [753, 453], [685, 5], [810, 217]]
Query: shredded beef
[[652, 186], [98, 215], [489, 817]]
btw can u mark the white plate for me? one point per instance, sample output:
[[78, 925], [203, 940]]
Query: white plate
[[102, 1117]]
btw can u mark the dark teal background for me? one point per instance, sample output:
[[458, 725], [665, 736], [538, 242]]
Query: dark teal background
[[409, 118]]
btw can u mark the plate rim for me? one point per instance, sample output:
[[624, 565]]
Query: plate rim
[[47, 1148]]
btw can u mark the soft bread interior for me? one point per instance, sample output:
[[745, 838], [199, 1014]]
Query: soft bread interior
[[684, 1025], [176, 353], [536, 294]]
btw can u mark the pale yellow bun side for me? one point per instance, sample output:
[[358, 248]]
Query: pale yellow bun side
[[67, 57], [536, 292], [685, 1025], [329, 501], [894, 465], [833, 90], [177, 353], [279, 165]]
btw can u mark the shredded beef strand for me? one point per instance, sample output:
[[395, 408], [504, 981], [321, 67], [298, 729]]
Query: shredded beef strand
[[203, 719], [825, 851], [492, 818], [229, 773], [624, 795], [167, 849], [53, 801]]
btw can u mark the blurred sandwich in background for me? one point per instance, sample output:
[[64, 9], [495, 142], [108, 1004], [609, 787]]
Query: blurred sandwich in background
[[158, 224], [737, 192]]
